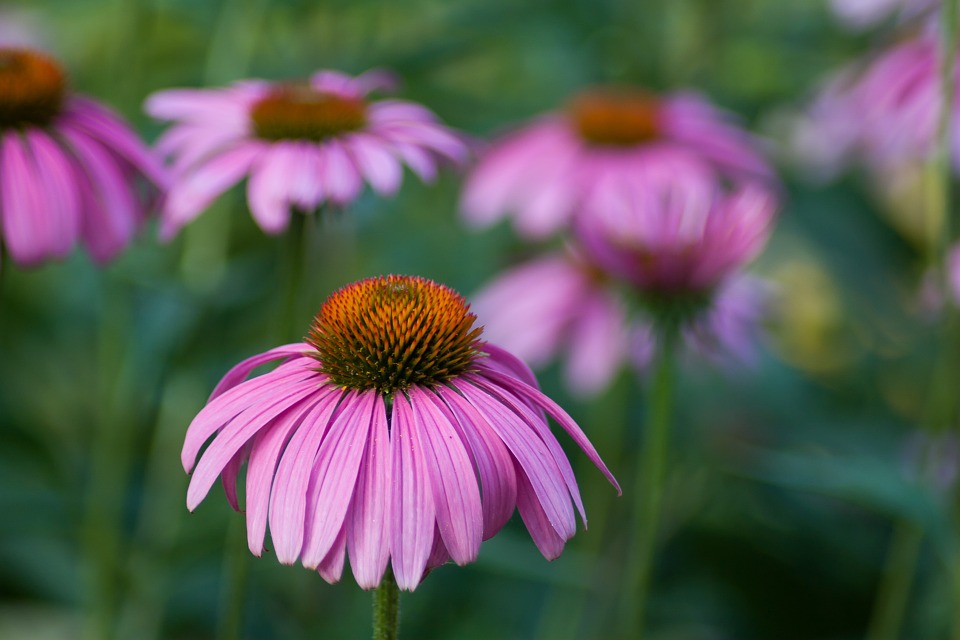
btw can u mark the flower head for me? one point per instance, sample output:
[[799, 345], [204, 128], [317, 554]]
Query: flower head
[[679, 235], [393, 434], [883, 113], [563, 305], [300, 144], [559, 165], [70, 170]]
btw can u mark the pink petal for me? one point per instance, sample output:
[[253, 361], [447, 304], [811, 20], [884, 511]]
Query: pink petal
[[530, 452], [557, 413], [237, 433], [331, 568], [268, 188], [493, 463], [597, 345], [544, 534], [58, 186], [380, 168], [341, 179], [413, 515], [222, 409], [239, 373], [194, 193], [27, 233], [288, 499], [268, 444], [335, 474], [456, 495], [110, 214], [368, 539]]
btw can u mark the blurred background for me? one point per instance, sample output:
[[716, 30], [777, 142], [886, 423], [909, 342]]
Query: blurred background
[[788, 480]]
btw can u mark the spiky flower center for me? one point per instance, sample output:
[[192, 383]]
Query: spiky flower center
[[299, 112], [618, 118], [391, 332], [32, 88]]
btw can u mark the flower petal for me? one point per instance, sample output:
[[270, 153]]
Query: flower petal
[[335, 474], [238, 374], [456, 495], [413, 515], [368, 539]]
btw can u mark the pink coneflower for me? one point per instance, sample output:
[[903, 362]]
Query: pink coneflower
[[70, 170], [393, 434], [300, 144], [557, 166], [884, 113], [558, 303], [562, 304], [680, 235]]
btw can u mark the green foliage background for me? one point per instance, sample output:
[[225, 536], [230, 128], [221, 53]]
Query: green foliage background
[[786, 479]]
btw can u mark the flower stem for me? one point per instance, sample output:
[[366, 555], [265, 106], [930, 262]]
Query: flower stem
[[896, 583], [295, 254], [235, 563], [386, 609], [648, 487]]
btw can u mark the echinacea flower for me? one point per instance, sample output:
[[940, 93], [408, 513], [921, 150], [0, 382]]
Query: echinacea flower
[[300, 144], [71, 171], [560, 304], [394, 434], [681, 235], [552, 170], [882, 113]]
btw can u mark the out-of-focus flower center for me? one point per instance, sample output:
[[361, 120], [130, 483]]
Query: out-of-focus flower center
[[32, 88], [391, 332], [617, 118], [299, 112]]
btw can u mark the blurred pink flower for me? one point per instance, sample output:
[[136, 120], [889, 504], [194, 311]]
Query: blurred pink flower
[[883, 113], [561, 303], [370, 437], [550, 171], [861, 14], [300, 144], [70, 170], [676, 233]]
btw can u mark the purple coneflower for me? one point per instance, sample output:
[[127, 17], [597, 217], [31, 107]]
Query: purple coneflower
[[300, 144], [70, 170], [393, 434], [601, 143], [883, 113], [562, 303], [679, 235]]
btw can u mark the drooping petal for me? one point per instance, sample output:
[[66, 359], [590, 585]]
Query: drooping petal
[[222, 409], [335, 475], [456, 495], [331, 567], [545, 535], [368, 537], [340, 175], [494, 465], [529, 451], [28, 233], [239, 373], [57, 180], [557, 413], [288, 498], [265, 452], [378, 166], [413, 515], [239, 431]]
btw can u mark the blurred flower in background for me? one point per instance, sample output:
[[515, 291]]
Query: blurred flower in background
[[558, 167], [862, 14], [71, 171], [300, 144], [370, 438]]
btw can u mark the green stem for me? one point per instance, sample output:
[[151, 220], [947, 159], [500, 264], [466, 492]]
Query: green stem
[[294, 264], [235, 563], [648, 487], [386, 609], [896, 583]]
